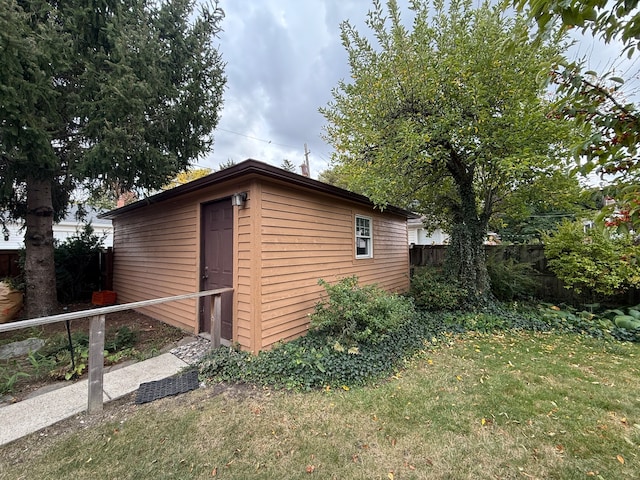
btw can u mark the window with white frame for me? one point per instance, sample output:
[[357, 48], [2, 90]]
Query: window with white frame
[[364, 237]]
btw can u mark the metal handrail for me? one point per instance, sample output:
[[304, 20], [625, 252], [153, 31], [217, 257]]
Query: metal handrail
[[97, 329]]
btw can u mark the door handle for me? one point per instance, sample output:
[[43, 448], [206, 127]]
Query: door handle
[[206, 273]]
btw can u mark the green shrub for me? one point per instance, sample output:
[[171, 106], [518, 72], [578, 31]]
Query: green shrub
[[511, 280], [431, 290], [77, 266], [593, 261], [353, 313]]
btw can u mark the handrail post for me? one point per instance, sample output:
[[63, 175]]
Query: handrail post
[[96, 363], [216, 319]]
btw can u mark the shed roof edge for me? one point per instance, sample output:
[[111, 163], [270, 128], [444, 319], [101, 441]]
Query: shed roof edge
[[243, 169]]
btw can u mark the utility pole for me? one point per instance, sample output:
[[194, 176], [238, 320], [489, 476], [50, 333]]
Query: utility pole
[[305, 166]]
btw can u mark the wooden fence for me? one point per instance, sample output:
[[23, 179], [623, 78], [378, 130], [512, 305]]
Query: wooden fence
[[9, 266], [550, 288], [433, 255]]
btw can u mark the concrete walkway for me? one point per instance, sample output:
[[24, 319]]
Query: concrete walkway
[[35, 413]]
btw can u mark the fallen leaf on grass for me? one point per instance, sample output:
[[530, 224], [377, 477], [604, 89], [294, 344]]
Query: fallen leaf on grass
[[620, 458], [311, 468], [214, 472], [486, 421]]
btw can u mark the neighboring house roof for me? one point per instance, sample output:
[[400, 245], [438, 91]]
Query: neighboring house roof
[[247, 168], [91, 215], [62, 230]]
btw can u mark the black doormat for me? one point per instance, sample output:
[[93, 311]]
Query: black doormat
[[150, 391]]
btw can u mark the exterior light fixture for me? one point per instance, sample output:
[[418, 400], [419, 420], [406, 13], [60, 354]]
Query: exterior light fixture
[[239, 199]]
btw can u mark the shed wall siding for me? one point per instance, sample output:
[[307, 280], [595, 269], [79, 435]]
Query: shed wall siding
[[305, 237], [247, 267], [156, 254], [155, 257]]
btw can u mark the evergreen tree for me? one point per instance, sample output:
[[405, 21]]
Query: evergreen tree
[[105, 94]]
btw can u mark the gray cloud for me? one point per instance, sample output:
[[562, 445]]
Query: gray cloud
[[283, 58]]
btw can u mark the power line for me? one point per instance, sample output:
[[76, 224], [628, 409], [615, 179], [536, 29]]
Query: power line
[[255, 138]]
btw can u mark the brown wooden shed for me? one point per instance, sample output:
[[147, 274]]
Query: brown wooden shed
[[268, 233]]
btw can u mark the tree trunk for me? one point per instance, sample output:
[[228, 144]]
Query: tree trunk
[[465, 259], [39, 267]]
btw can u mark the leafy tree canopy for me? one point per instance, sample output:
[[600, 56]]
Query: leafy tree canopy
[[186, 177], [447, 118], [609, 19], [541, 206], [611, 124]]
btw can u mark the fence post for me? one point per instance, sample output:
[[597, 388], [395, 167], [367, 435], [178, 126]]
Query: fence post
[[96, 363], [216, 319]]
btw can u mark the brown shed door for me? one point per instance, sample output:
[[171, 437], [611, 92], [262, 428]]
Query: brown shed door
[[217, 262]]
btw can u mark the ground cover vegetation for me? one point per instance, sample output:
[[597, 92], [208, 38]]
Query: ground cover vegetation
[[361, 334], [54, 360], [129, 336], [511, 404]]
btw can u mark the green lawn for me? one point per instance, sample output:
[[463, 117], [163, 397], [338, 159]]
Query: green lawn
[[512, 405]]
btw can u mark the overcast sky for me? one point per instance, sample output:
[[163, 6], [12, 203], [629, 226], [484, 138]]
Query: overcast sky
[[283, 57]]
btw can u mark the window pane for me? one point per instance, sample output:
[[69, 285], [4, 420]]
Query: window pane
[[363, 246], [363, 237]]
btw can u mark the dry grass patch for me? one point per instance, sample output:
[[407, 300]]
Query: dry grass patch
[[480, 406]]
